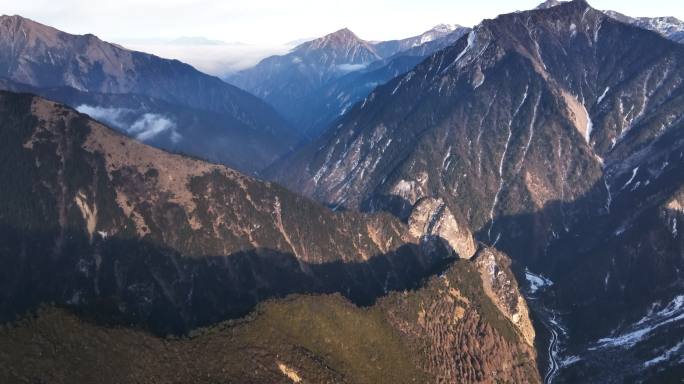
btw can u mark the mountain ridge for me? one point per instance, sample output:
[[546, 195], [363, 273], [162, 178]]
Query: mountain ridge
[[528, 130], [45, 58]]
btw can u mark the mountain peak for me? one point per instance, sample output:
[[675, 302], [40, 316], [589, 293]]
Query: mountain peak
[[548, 4], [343, 35], [343, 41], [445, 28]]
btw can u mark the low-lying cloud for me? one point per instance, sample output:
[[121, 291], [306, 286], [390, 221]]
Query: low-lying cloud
[[150, 125], [144, 127], [111, 116], [220, 60], [351, 67]]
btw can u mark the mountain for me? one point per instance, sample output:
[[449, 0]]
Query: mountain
[[298, 339], [392, 47], [554, 135], [333, 99], [310, 85], [670, 27], [43, 58], [548, 4], [118, 234], [284, 80]]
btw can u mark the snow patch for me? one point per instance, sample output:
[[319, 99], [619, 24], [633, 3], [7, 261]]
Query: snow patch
[[634, 173], [570, 360], [479, 82], [667, 355], [639, 331], [471, 42], [536, 282], [590, 125], [603, 96]]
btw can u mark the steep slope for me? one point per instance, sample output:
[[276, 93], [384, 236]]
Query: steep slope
[[103, 221], [44, 58], [284, 80], [447, 331], [122, 234], [529, 130], [212, 136]]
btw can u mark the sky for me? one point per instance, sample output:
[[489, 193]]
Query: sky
[[262, 27]]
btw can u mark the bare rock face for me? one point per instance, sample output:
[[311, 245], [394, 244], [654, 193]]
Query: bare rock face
[[672, 213], [432, 218], [501, 287]]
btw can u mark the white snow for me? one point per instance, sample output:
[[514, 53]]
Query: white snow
[[536, 282], [479, 135], [501, 165], [479, 82], [471, 41], [639, 331], [403, 81], [667, 355], [570, 360], [609, 200], [674, 227], [590, 125], [634, 173], [529, 139], [603, 96], [445, 165]]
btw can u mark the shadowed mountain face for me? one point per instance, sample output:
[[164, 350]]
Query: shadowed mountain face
[[122, 233], [86, 199], [448, 330], [167, 102], [545, 133]]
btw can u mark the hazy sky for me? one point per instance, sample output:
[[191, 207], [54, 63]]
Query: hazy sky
[[280, 21], [265, 26]]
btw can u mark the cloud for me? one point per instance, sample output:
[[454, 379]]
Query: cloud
[[143, 127], [351, 67], [215, 59], [150, 125], [111, 116]]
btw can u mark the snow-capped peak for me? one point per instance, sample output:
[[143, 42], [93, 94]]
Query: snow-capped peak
[[548, 4]]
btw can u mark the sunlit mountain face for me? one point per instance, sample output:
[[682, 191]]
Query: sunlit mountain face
[[495, 203]]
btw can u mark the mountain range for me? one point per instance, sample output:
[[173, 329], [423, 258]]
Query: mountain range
[[164, 102], [126, 234], [544, 133], [309, 87], [502, 203]]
